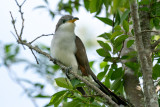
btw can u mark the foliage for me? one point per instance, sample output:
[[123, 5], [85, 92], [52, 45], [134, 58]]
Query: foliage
[[117, 15]]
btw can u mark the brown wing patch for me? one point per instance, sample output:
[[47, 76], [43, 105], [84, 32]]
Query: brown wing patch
[[81, 57], [84, 73]]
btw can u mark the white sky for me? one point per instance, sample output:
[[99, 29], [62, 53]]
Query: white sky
[[37, 22]]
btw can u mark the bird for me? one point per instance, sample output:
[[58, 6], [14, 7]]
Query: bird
[[68, 48]]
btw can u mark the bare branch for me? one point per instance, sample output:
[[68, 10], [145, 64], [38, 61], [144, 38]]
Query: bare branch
[[154, 31], [40, 37], [14, 35], [155, 44], [108, 100], [23, 2], [156, 50], [13, 23], [21, 13], [35, 56]]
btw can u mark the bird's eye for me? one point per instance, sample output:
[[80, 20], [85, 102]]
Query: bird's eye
[[64, 21]]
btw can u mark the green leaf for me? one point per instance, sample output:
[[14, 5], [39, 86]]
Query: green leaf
[[74, 103], [110, 73], [7, 48], [106, 36], [91, 63], [125, 15], [156, 22], [130, 43], [116, 4], [144, 2], [115, 34], [107, 82], [144, 9], [106, 20], [17, 50], [117, 19], [155, 9], [134, 66], [63, 82], [117, 73], [101, 75], [57, 98], [156, 71], [119, 43], [86, 4], [117, 28], [103, 53], [116, 84], [51, 13], [125, 26], [105, 46], [75, 82], [93, 6], [120, 40], [103, 64]]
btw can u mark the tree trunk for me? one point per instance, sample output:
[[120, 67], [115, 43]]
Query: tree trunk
[[144, 55]]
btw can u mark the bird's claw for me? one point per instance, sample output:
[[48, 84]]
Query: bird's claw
[[67, 70]]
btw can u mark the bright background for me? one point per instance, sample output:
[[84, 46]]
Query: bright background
[[38, 22]]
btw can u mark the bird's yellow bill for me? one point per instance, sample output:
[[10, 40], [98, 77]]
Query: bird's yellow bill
[[73, 20]]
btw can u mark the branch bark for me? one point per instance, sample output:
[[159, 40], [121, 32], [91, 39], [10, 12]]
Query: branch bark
[[144, 54], [108, 100]]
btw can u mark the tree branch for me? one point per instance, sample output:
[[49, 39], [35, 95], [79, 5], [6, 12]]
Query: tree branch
[[150, 95], [108, 100], [155, 32], [40, 37], [155, 44]]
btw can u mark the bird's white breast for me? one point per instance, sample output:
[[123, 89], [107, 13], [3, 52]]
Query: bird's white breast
[[63, 47]]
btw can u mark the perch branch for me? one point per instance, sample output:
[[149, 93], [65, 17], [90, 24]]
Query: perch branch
[[108, 100], [155, 44]]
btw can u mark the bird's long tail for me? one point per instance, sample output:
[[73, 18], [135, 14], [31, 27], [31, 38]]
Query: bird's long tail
[[108, 92]]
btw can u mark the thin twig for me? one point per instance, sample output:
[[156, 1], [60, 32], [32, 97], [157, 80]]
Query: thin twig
[[23, 2], [14, 26], [108, 100], [35, 56], [14, 35], [21, 13], [155, 44], [13, 23], [40, 37], [154, 31], [156, 50]]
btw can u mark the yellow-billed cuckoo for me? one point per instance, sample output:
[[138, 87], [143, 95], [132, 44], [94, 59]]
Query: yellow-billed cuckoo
[[69, 49]]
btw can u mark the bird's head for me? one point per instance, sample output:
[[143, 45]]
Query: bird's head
[[66, 22]]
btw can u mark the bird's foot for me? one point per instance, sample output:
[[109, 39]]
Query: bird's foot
[[67, 71]]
